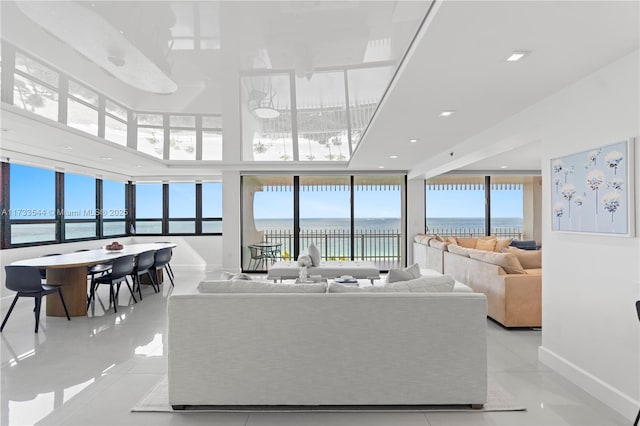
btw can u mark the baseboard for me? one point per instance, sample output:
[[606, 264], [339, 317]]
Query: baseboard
[[618, 401]]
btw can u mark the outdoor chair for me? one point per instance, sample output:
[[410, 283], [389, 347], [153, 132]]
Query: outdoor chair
[[26, 281]]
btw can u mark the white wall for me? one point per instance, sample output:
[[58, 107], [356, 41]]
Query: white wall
[[590, 332], [590, 283]]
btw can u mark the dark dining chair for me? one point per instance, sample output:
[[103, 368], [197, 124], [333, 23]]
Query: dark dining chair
[[144, 265], [99, 269], [638, 312], [25, 280], [161, 261], [169, 270], [122, 267]]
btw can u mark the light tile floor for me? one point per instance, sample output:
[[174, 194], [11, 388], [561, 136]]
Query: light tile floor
[[92, 370]]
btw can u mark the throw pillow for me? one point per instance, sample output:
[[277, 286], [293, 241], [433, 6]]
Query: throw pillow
[[314, 253], [304, 259], [456, 249], [502, 243], [508, 261], [529, 259], [225, 286], [488, 244], [406, 274], [439, 238], [426, 284], [451, 240], [467, 242]]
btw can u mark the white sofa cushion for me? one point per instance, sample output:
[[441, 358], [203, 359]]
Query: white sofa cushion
[[406, 274], [226, 286]]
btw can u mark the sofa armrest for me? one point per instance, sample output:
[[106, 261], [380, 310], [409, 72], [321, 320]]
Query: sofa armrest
[[523, 300]]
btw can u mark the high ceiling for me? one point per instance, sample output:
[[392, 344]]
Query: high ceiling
[[454, 59]]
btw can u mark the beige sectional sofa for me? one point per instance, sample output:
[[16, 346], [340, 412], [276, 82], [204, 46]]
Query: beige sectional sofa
[[510, 278]]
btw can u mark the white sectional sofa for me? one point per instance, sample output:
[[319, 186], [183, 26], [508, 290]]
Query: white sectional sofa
[[327, 349]]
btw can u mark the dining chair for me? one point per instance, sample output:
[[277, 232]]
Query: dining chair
[[144, 265], [25, 280], [161, 261], [169, 270], [99, 269], [122, 267]]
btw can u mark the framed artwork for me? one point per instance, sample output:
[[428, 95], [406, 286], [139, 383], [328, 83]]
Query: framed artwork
[[592, 191]]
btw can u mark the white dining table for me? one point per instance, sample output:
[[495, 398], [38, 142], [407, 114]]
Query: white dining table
[[70, 270]]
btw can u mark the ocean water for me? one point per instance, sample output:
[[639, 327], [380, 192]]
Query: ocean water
[[385, 229], [390, 224]]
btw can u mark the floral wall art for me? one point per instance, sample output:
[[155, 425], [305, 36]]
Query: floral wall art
[[592, 191]]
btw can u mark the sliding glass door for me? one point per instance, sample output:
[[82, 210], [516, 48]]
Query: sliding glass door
[[325, 215]]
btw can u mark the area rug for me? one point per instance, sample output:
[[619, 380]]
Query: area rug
[[498, 399]]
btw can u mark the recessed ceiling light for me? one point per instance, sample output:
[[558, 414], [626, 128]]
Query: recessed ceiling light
[[393, 156], [67, 147], [446, 113], [381, 167], [413, 140], [106, 158], [138, 165], [517, 55], [504, 167]]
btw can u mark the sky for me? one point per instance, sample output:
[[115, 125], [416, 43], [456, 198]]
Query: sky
[[470, 203], [327, 204], [32, 194]]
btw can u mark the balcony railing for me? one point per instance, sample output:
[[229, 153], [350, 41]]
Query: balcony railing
[[381, 246], [502, 232]]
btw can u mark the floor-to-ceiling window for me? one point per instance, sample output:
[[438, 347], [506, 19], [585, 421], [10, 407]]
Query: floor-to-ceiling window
[[114, 211], [347, 217], [211, 207], [507, 210], [378, 219], [149, 208], [40, 206], [325, 215], [80, 212], [182, 208], [475, 205], [455, 206], [32, 205]]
